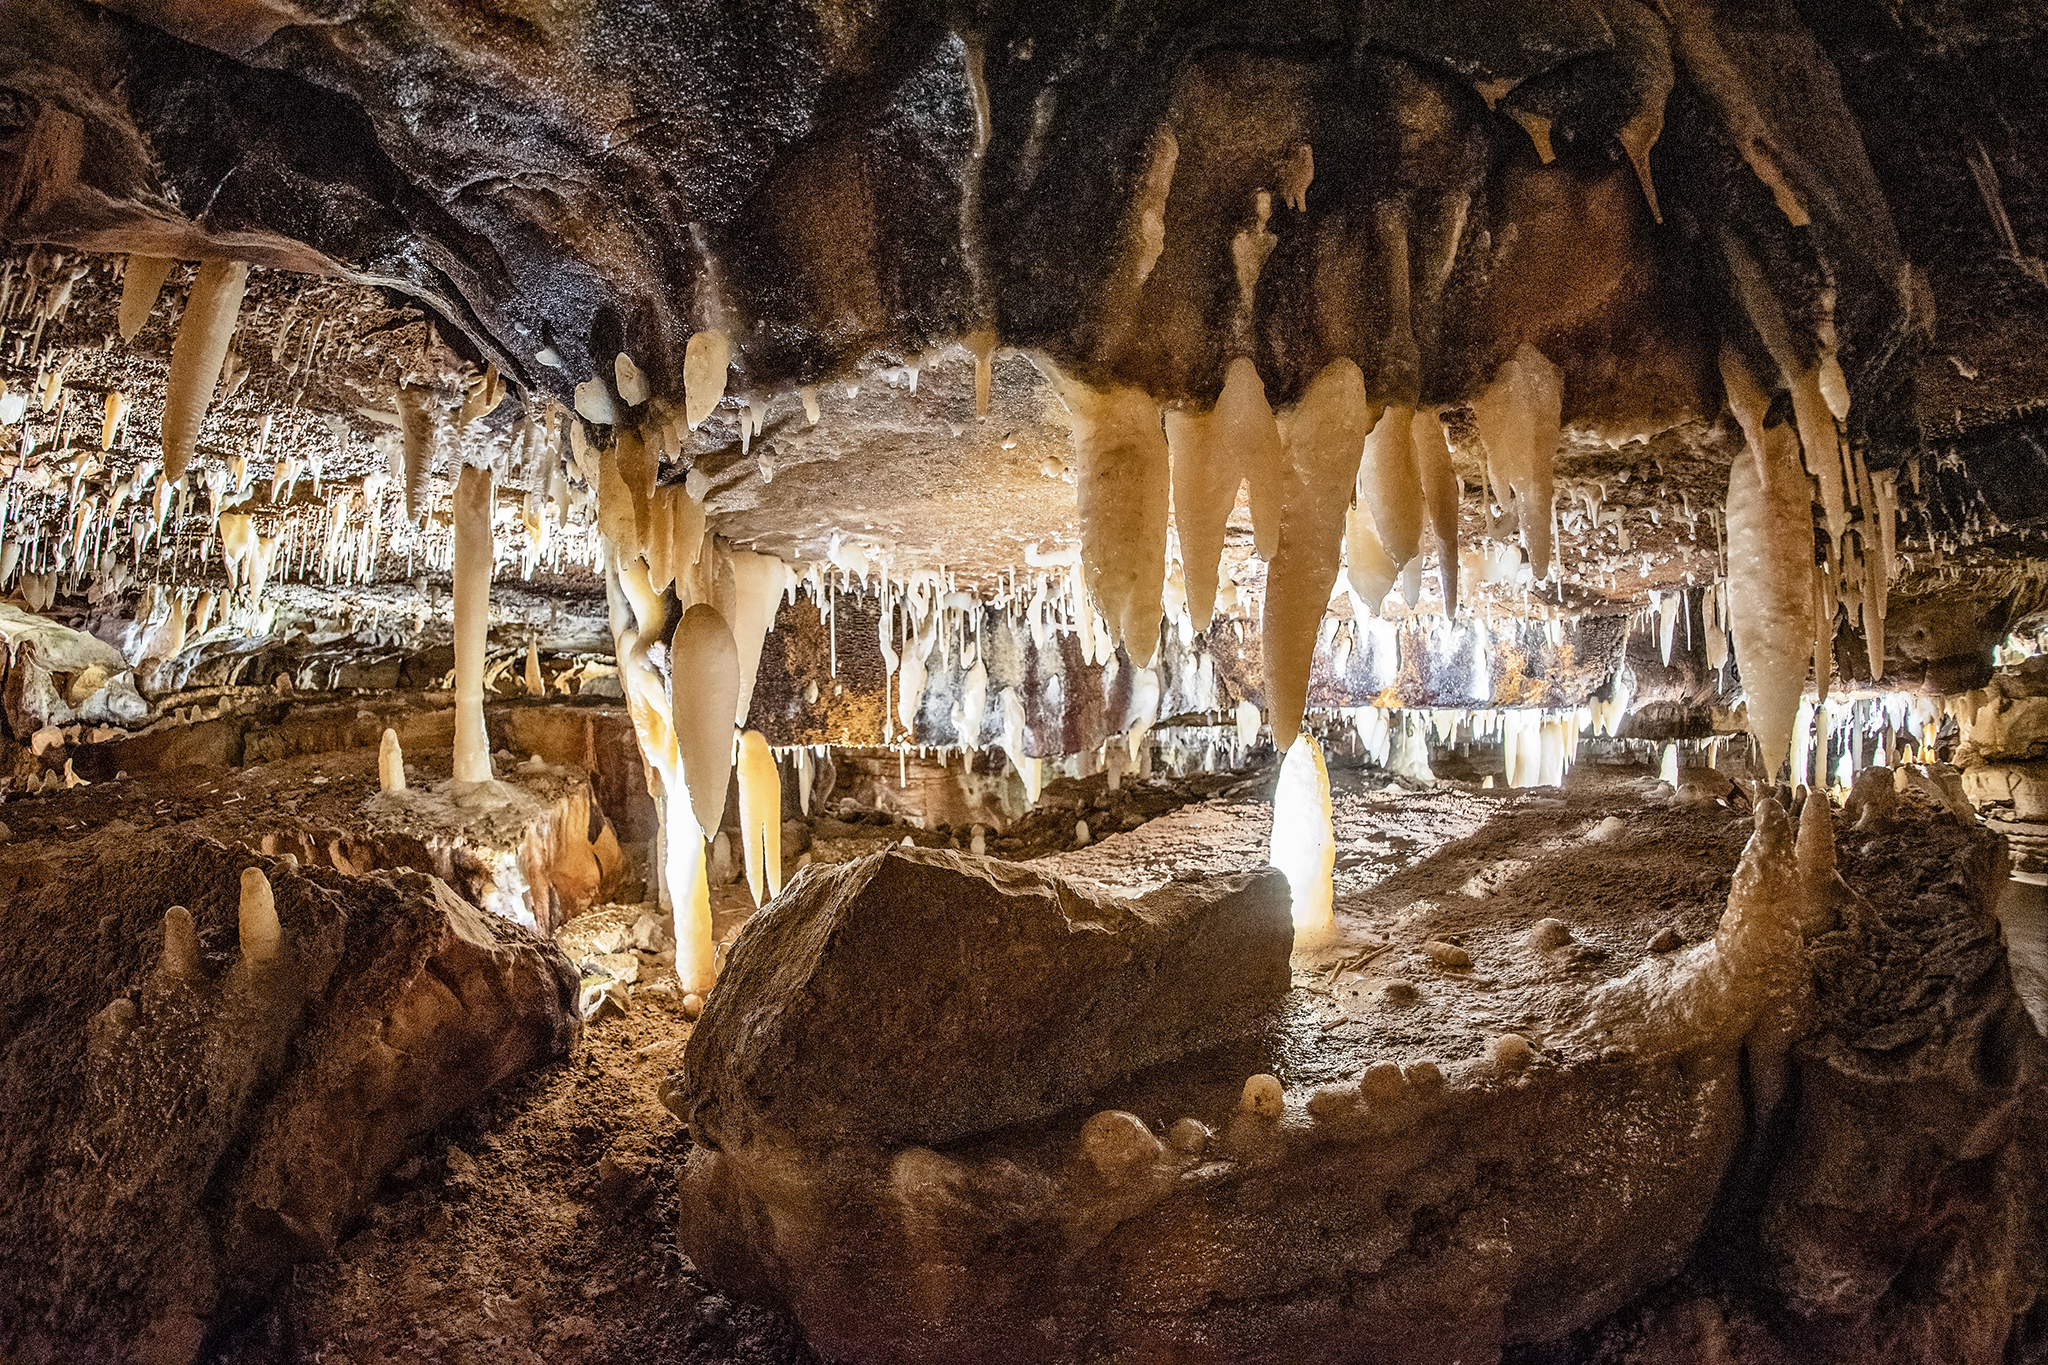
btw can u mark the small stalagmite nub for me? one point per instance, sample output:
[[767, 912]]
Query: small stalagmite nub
[[261, 936], [390, 763]]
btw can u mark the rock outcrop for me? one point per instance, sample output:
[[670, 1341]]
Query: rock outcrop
[[1807, 1132], [1006, 995], [210, 1068]]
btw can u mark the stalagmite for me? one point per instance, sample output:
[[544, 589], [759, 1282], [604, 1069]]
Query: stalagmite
[[472, 594], [704, 687], [1122, 488], [1303, 844], [1325, 438], [416, 423], [704, 364], [760, 817], [204, 330], [141, 282], [1519, 418], [1815, 850], [1144, 711], [1211, 454], [261, 937], [1770, 578], [390, 763]]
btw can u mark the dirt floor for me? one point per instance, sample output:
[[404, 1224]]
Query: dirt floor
[[541, 1227]]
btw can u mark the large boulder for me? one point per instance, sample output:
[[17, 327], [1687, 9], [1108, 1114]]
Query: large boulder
[[189, 1114], [1004, 995]]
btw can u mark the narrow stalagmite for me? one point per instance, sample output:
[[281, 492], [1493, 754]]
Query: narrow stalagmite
[[141, 282], [390, 763], [204, 330], [261, 937], [760, 816], [1325, 438], [1303, 845], [704, 687], [472, 621], [1770, 576], [536, 685], [1121, 483]]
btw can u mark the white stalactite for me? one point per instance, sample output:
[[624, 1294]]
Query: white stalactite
[[472, 601], [204, 330], [760, 817]]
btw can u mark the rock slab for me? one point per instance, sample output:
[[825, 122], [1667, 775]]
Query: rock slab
[[1006, 995]]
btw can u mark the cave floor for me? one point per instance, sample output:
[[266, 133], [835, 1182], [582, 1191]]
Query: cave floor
[[541, 1226]]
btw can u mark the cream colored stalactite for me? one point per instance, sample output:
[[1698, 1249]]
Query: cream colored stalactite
[[1390, 482], [704, 687], [142, 281], [705, 359], [760, 816], [1824, 607], [637, 465], [1325, 437], [1770, 581], [1520, 421], [1029, 770], [759, 581], [1304, 844], [1368, 570], [110, 424], [390, 763], [204, 330], [238, 549], [416, 427], [1210, 452], [1144, 711], [1122, 481], [1440, 494], [1826, 457], [472, 594]]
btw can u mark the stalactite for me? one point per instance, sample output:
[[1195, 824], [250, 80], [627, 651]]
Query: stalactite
[[760, 817], [204, 330], [472, 604]]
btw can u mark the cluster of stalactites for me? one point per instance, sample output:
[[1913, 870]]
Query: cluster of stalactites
[[1340, 481], [1785, 599]]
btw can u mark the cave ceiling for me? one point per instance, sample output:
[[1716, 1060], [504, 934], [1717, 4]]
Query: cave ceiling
[[884, 206]]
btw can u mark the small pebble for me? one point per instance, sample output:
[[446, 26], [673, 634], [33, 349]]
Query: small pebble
[[1666, 940], [1447, 954]]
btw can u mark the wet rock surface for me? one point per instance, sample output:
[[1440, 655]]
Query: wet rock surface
[[187, 1118]]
